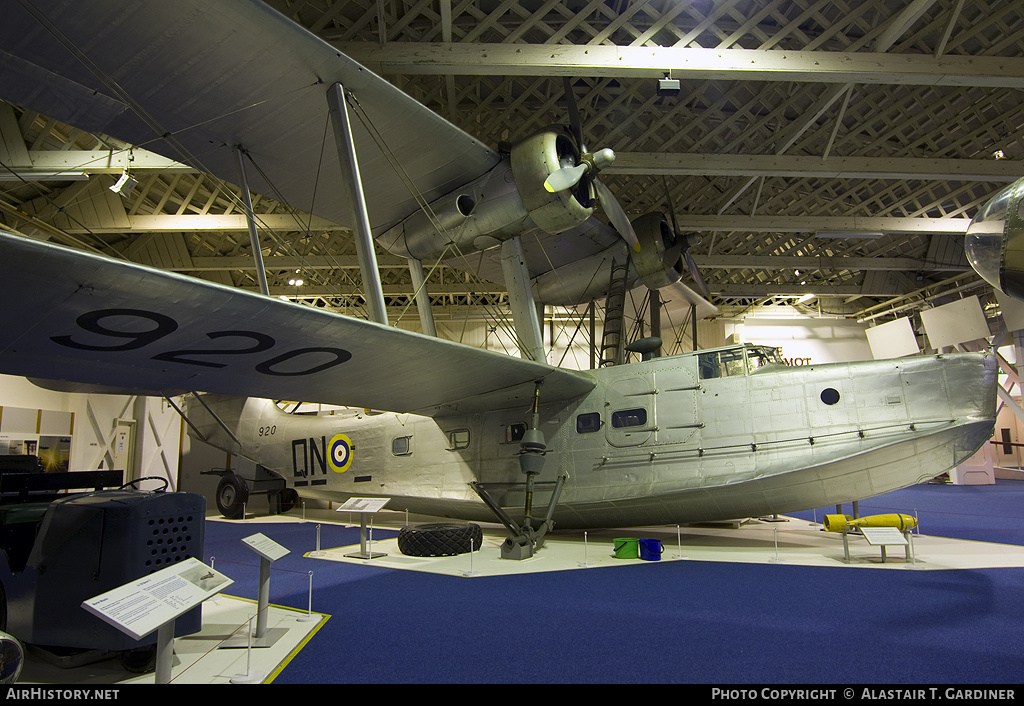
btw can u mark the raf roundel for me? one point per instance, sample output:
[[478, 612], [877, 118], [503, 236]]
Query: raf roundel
[[341, 453]]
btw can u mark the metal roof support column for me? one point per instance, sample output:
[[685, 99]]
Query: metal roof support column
[[254, 239], [419, 286], [372, 289], [524, 310]]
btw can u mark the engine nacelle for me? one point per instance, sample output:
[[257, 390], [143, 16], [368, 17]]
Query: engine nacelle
[[507, 201], [995, 241], [533, 161], [657, 262]]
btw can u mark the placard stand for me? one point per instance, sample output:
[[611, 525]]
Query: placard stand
[[269, 551], [882, 537], [364, 506], [154, 602]]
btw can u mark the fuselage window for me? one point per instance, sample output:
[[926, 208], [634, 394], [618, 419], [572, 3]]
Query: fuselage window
[[401, 446], [514, 433], [589, 422], [629, 418], [458, 439]]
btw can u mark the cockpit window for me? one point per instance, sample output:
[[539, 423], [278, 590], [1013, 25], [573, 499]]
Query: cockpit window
[[720, 364], [760, 356]]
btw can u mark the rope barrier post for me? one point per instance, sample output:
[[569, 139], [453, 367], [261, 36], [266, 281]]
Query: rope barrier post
[[250, 676], [309, 617]]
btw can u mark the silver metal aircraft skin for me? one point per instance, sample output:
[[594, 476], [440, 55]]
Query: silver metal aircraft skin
[[717, 434], [651, 442], [721, 434]]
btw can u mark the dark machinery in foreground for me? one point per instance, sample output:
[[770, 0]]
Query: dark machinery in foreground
[[59, 549]]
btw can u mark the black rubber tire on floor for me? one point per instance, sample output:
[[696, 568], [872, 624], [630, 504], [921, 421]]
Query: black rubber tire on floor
[[440, 539]]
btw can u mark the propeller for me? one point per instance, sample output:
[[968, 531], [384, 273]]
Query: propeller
[[682, 246], [586, 170]]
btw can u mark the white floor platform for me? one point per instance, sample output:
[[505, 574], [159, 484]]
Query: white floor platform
[[788, 541], [215, 655], [204, 658]]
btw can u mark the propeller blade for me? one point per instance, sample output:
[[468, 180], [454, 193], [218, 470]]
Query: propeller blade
[[565, 178], [616, 214], [698, 278], [575, 124], [671, 208], [684, 246]]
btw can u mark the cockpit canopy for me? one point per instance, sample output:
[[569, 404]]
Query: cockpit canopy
[[735, 360]]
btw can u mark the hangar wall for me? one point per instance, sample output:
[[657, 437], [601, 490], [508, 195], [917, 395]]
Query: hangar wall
[[139, 435]]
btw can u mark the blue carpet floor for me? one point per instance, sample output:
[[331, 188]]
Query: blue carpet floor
[[674, 622]]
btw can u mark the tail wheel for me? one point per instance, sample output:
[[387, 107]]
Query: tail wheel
[[289, 499], [440, 539], [232, 494]]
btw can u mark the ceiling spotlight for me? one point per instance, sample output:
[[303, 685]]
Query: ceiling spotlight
[[668, 86], [125, 185], [295, 282], [998, 154]]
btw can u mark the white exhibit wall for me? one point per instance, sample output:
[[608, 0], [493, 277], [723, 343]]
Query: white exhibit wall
[[961, 321], [102, 426], [893, 339], [805, 341]]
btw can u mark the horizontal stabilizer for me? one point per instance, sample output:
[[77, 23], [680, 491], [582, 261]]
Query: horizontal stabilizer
[[82, 318]]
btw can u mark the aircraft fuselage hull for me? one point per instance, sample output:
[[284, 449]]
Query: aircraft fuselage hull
[[664, 441]]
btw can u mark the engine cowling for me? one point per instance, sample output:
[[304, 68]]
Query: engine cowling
[[657, 262], [534, 160], [995, 241], [505, 202]]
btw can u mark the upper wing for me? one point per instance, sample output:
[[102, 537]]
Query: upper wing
[[190, 79], [79, 317]]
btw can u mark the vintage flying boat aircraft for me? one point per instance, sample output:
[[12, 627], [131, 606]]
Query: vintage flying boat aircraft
[[718, 434]]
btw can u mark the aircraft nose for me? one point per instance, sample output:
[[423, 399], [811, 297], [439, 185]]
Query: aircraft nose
[[995, 241]]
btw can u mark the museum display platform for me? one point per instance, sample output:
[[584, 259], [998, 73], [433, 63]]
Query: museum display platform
[[215, 656]]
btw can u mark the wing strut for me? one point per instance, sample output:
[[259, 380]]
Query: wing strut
[[254, 239], [419, 286], [372, 289], [524, 309]]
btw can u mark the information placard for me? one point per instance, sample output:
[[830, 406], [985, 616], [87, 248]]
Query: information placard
[[140, 607], [265, 546], [883, 536], [364, 504]]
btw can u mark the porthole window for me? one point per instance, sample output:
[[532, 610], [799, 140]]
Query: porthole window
[[588, 423], [458, 439], [830, 395], [401, 446], [514, 433], [629, 418]]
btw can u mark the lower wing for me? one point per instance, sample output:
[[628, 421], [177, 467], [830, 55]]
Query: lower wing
[[81, 318]]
